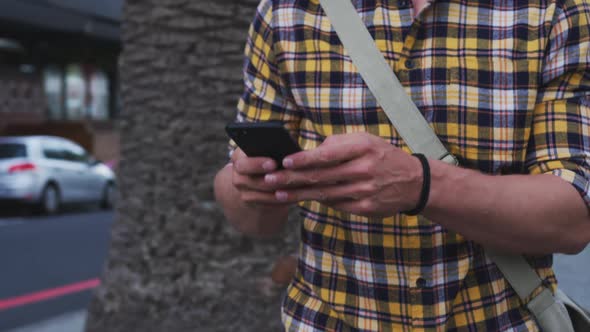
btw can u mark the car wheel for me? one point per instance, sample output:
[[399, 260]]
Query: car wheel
[[50, 200], [109, 196]]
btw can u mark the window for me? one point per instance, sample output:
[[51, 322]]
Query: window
[[75, 153], [98, 106], [75, 92], [53, 91], [53, 150], [8, 151]]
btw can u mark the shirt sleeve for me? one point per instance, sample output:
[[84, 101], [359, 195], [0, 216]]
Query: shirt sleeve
[[560, 137], [265, 96]]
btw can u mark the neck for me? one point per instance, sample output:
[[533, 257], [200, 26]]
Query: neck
[[419, 5]]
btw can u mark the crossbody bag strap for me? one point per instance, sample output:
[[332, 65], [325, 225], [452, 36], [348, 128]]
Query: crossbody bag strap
[[550, 314], [378, 75], [420, 137]]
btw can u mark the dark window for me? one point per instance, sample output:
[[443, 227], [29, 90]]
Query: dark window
[[53, 150], [8, 151], [75, 153], [52, 153]]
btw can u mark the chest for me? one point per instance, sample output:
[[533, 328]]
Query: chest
[[472, 69]]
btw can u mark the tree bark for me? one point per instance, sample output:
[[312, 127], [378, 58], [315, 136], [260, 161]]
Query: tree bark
[[174, 263]]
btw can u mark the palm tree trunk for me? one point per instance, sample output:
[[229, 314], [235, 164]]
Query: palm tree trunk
[[174, 263]]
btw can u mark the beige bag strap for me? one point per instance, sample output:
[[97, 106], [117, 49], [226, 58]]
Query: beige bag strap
[[420, 137], [383, 83], [550, 314]]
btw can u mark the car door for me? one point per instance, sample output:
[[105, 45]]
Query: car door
[[78, 166], [59, 168], [89, 181]]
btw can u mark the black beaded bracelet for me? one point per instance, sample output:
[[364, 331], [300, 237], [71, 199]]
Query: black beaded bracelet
[[425, 193]]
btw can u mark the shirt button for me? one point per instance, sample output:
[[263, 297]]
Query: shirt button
[[404, 3], [410, 64], [421, 283]]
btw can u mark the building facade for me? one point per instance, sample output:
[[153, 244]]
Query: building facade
[[58, 71]]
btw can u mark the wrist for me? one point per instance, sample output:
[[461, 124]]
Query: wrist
[[422, 187], [446, 182], [437, 177]]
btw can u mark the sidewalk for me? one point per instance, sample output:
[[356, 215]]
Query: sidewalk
[[573, 275], [69, 322]]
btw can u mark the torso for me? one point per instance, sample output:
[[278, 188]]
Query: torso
[[478, 95]]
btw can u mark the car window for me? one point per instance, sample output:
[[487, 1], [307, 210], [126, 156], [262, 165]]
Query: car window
[[12, 150], [53, 150], [75, 153]]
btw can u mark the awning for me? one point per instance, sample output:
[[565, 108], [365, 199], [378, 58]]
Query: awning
[[77, 17]]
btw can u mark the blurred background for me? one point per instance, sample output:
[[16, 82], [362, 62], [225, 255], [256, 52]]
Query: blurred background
[[58, 77], [90, 89], [58, 70]]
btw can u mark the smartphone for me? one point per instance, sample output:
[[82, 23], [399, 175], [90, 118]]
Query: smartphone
[[263, 139]]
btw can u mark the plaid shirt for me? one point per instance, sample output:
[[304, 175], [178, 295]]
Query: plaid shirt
[[506, 87]]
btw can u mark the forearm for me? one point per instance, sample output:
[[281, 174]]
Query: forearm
[[517, 213], [249, 219]]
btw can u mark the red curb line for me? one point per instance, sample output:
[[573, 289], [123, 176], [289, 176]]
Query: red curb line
[[48, 294]]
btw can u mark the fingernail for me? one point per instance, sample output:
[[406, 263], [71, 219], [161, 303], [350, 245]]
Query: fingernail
[[287, 162], [268, 165], [270, 179], [282, 196]]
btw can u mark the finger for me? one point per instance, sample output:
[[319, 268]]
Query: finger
[[237, 154], [246, 182], [345, 191], [252, 165], [346, 172], [260, 198], [327, 155]]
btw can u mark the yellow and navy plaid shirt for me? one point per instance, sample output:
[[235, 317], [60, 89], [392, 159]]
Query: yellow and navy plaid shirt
[[505, 85]]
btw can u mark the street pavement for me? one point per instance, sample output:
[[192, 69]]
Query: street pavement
[[69, 322], [41, 253], [573, 275]]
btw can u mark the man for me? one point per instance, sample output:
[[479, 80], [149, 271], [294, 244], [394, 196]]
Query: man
[[506, 87]]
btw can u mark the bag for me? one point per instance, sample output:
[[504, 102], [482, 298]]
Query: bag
[[553, 312]]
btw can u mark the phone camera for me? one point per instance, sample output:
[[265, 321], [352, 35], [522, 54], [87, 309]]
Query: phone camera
[[244, 132]]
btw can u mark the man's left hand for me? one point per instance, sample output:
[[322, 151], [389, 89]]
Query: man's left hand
[[357, 173]]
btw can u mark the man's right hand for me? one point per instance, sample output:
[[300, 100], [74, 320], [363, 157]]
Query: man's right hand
[[248, 203], [248, 179]]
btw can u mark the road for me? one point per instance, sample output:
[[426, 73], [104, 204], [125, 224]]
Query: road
[[45, 254], [39, 256]]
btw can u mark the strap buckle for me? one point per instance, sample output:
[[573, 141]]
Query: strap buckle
[[450, 159]]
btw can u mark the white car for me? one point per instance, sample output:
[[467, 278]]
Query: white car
[[49, 171]]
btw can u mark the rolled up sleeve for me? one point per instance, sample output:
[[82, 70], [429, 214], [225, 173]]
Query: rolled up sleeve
[[265, 96], [560, 136]]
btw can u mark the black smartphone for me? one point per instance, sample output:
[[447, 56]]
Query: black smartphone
[[263, 139]]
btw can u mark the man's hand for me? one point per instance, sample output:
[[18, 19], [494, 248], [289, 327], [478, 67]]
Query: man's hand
[[248, 179], [357, 173], [247, 202]]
